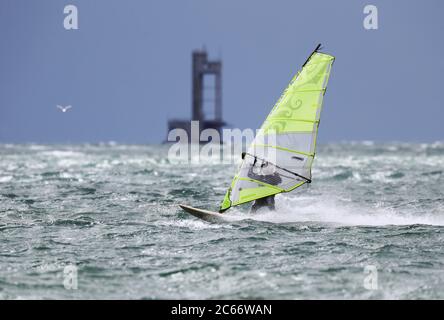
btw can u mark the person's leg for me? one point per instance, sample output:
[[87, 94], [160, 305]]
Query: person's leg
[[257, 204], [254, 207], [270, 202], [267, 202]]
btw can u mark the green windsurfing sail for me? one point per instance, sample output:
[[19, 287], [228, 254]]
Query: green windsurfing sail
[[281, 155]]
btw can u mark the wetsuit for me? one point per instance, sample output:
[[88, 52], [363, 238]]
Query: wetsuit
[[267, 202], [264, 174]]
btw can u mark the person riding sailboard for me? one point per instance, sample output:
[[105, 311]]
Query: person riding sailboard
[[267, 174], [292, 126], [281, 155]]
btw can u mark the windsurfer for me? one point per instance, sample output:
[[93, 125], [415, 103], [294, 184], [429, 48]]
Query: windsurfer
[[264, 172]]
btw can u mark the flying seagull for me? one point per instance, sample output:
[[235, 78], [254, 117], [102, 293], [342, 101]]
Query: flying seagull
[[64, 109]]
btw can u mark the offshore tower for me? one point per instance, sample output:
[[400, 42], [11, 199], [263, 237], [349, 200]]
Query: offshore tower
[[202, 67]]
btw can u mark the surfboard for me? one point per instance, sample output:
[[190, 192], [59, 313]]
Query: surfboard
[[206, 215]]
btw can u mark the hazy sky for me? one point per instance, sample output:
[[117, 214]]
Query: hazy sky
[[127, 69]]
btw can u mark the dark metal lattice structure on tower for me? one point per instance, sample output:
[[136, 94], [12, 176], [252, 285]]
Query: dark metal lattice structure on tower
[[201, 68]]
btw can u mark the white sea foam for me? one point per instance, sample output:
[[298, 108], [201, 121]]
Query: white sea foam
[[307, 209], [5, 179], [193, 224], [63, 154]]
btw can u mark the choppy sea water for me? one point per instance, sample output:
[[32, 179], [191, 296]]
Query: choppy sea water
[[111, 211]]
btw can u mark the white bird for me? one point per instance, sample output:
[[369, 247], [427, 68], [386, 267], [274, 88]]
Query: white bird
[[64, 109]]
